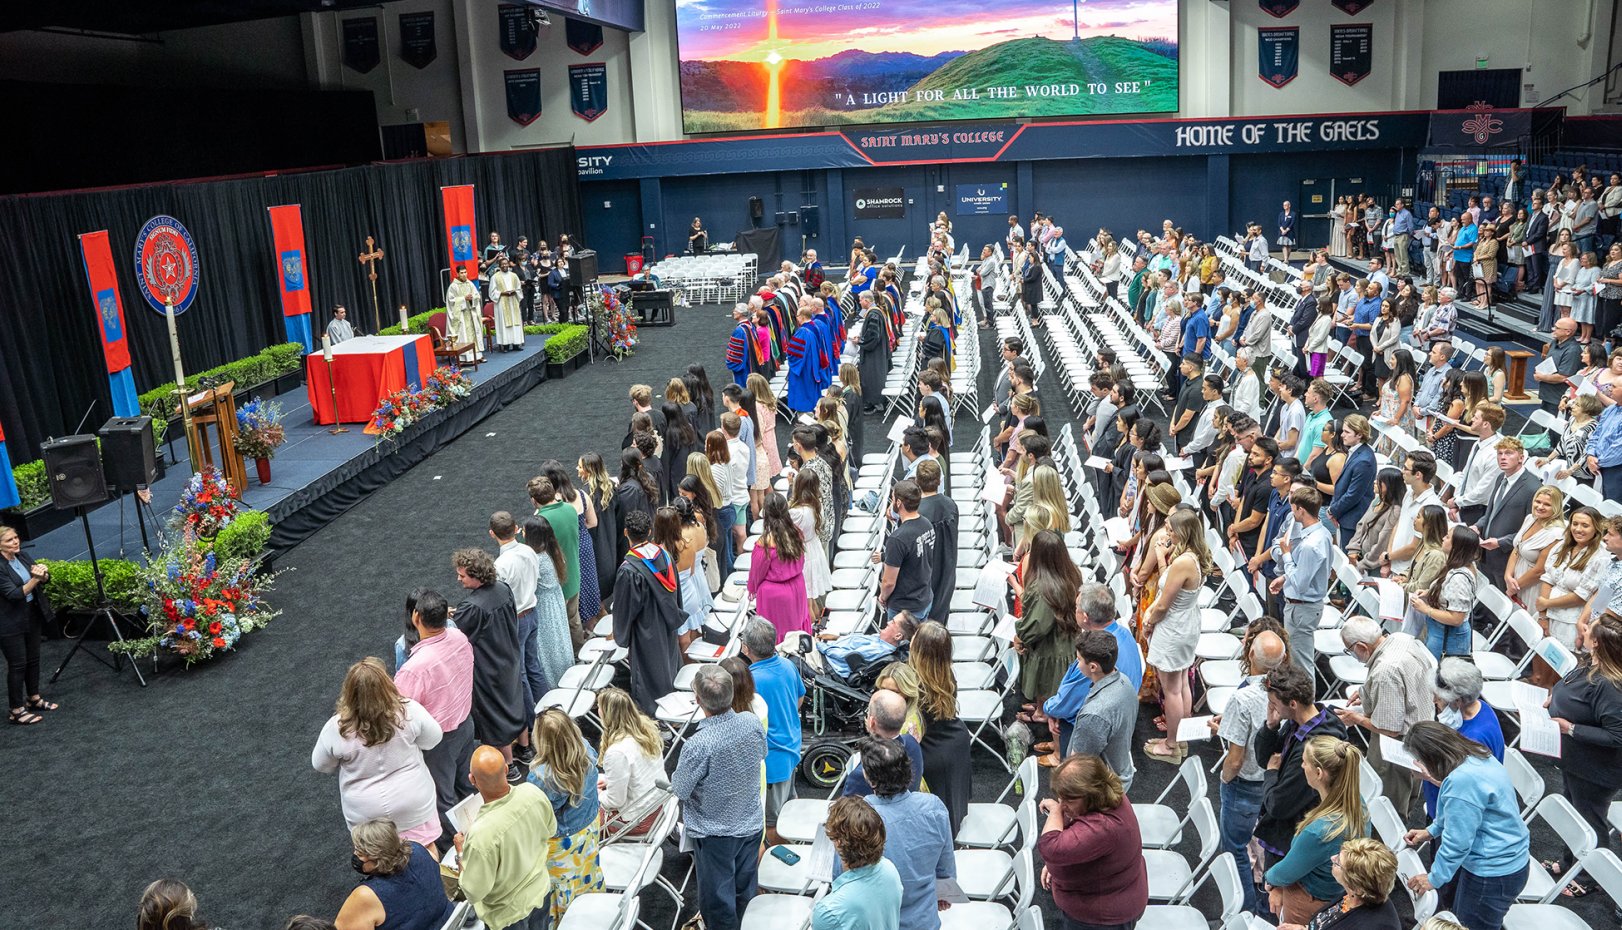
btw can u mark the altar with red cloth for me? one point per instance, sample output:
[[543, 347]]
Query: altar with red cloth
[[366, 369]]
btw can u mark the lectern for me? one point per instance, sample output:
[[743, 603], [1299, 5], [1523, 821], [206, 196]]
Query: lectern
[[218, 409]]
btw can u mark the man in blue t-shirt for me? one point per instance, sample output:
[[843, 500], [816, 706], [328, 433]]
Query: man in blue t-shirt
[[778, 684], [1095, 610]]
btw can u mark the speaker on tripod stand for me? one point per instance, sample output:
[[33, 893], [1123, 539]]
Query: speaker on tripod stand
[[73, 469]]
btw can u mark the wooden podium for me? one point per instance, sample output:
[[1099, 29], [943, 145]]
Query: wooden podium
[[218, 409]]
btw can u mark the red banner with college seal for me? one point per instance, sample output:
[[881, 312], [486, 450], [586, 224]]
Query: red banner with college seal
[[292, 265], [460, 241]]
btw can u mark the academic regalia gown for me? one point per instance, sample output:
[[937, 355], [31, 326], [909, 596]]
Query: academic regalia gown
[[826, 360], [628, 496], [937, 344], [739, 351], [873, 357], [763, 358], [802, 369], [489, 618], [674, 465], [603, 538], [647, 614]]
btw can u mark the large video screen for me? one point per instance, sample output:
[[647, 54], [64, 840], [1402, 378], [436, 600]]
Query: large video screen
[[778, 64]]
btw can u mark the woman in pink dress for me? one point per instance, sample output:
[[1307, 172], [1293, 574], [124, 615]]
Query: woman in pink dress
[[765, 429], [777, 571]]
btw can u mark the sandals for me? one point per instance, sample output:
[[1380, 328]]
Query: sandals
[[24, 718], [39, 703], [1155, 749], [1575, 890]]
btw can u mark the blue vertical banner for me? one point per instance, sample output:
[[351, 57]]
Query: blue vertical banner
[[588, 90], [1278, 54], [1351, 52]]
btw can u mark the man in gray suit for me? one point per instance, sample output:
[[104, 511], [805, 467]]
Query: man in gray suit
[[1508, 503]]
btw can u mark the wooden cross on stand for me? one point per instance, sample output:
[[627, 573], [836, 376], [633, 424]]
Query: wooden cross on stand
[[369, 259]]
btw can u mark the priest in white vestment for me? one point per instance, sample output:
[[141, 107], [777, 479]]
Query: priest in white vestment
[[507, 292], [462, 315]]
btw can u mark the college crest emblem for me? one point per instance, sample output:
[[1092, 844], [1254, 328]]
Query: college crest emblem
[[166, 264], [462, 243], [112, 329], [292, 271]]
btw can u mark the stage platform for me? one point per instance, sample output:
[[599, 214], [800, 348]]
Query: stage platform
[[316, 475]]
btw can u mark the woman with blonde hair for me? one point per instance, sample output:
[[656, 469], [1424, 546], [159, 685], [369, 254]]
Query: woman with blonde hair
[[565, 768], [1173, 623], [167, 904], [946, 740], [593, 473], [902, 678], [1529, 550], [1146, 565], [632, 763], [1367, 869], [375, 743], [766, 427], [1049, 508], [1302, 883]]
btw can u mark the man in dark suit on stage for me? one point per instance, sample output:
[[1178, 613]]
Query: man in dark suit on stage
[[1508, 503], [1354, 489]]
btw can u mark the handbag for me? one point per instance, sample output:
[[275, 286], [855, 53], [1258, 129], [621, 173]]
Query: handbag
[[1517, 254], [1475, 270], [712, 573]]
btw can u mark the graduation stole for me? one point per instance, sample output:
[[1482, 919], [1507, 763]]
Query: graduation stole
[[756, 349], [951, 357], [665, 577]]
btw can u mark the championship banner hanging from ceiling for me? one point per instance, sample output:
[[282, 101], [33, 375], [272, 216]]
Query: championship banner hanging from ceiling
[[459, 229], [524, 95], [588, 90], [1278, 54], [166, 264], [517, 32], [1352, 7], [1351, 52], [1279, 8], [361, 51], [292, 273], [102, 278], [418, 47], [584, 38]]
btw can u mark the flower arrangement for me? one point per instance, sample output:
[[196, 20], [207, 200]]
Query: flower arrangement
[[198, 605], [208, 505], [259, 428], [618, 323], [447, 385]]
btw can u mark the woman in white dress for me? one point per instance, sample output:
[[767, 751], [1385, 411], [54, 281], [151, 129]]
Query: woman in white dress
[[1541, 529], [1173, 622], [1337, 229], [805, 509], [1571, 575], [375, 743]]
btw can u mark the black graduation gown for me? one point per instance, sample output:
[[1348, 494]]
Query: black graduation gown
[[604, 536], [941, 512], [873, 362], [646, 618], [489, 618], [946, 749], [705, 420], [934, 345], [628, 496], [675, 466]]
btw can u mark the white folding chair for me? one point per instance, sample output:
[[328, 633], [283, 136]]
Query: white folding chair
[[1528, 783], [1408, 866], [1184, 917], [1388, 826], [1173, 878], [1575, 835], [989, 915], [610, 910], [984, 874], [991, 824], [1159, 824], [1606, 871]]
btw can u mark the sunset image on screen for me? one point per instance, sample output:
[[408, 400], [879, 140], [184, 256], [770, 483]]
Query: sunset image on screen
[[776, 64]]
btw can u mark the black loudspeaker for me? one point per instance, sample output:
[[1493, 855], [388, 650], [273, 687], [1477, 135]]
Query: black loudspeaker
[[757, 208], [809, 220], [129, 458], [582, 267], [73, 467]]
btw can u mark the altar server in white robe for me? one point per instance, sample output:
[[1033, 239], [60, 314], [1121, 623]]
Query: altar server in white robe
[[507, 293], [462, 314]]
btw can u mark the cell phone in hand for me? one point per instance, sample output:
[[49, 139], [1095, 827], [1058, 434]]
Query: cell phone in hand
[[786, 855]]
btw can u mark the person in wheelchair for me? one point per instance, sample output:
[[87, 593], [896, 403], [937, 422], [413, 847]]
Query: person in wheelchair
[[844, 655]]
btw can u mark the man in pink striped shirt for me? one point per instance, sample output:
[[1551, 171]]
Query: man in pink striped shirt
[[439, 676]]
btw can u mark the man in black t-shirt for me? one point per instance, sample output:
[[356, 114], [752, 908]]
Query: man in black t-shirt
[[1190, 401], [1250, 500], [908, 556], [941, 512]]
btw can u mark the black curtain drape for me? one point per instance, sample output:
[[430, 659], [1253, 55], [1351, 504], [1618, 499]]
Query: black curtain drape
[[1497, 87], [51, 367]]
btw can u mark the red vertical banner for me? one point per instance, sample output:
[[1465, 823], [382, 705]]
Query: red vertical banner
[[461, 240], [104, 296], [292, 264]]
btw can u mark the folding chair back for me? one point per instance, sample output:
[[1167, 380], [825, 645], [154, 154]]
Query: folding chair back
[[1528, 783], [1387, 825]]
